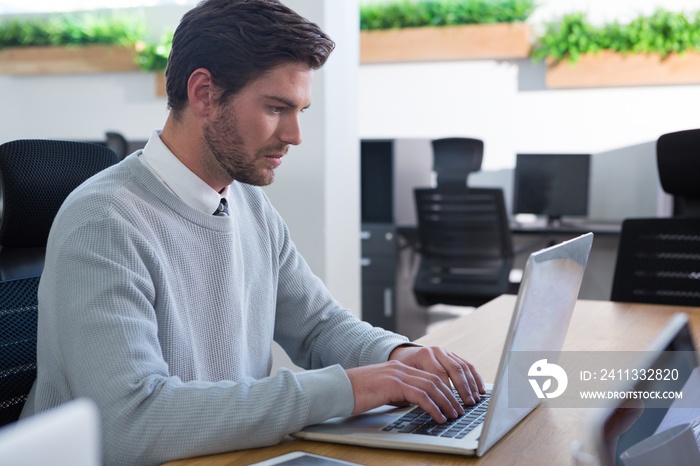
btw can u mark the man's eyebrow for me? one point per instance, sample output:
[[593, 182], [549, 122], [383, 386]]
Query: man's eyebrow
[[287, 102]]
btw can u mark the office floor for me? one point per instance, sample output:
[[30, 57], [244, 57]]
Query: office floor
[[438, 316], [414, 320]]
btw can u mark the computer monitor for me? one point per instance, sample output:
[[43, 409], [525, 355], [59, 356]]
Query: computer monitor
[[551, 185], [377, 175]]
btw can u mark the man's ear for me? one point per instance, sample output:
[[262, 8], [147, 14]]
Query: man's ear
[[201, 92]]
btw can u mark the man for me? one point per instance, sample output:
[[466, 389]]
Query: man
[[169, 275]]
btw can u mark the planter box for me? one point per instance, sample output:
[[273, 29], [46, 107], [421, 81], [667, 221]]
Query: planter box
[[479, 41], [67, 60], [611, 69]]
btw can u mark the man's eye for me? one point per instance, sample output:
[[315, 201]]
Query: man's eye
[[276, 109]]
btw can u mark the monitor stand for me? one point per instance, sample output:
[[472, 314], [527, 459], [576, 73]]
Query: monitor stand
[[556, 221]]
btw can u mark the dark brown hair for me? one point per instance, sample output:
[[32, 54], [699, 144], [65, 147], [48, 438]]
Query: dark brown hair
[[238, 41]]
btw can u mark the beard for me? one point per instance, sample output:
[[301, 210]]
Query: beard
[[224, 142]]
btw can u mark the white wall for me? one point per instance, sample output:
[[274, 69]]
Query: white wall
[[486, 100]]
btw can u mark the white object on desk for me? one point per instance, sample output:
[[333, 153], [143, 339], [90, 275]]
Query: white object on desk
[[674, 446], [300, 458], [65, 436]]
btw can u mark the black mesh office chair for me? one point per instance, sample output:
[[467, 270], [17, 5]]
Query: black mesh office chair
[[658, 262], [658, 259], [465, 246], [454, 159], [35, 178], [678, 160]]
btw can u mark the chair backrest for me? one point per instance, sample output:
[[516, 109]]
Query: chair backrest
[[35, 178], [454, 159], [18, 316], [118, 144], [678, 161], [658, 261], [465, 244]]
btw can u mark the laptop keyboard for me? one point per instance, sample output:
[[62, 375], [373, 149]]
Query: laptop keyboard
[[419, 422]]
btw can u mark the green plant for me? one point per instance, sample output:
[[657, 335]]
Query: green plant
[[406, 13], [70, 30], [663, 32], [154, 57], [73, 30]]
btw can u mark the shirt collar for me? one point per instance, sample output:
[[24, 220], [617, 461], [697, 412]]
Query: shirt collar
[[176, 176]]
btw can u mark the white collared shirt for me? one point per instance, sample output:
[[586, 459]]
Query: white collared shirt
[[180, 179]]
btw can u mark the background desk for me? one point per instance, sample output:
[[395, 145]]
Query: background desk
[[544, 436], [598, 279], [390, 260]]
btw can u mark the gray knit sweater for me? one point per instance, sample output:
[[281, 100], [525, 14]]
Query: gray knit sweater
[[164, 316]]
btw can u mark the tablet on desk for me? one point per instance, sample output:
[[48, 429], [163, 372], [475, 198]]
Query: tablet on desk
[[301, 458]]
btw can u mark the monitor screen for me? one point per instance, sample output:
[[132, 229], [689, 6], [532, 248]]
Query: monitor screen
[[551, 185]]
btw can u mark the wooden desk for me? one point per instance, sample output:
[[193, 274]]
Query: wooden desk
[[543, 437]]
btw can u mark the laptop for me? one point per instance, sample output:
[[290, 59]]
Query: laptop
[[543, 309], [68, 435], [653, 431]]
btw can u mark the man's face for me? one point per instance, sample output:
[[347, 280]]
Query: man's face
[[249, 133]]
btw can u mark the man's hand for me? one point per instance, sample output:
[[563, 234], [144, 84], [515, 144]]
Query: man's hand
[[446, 365], [420, 376]]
